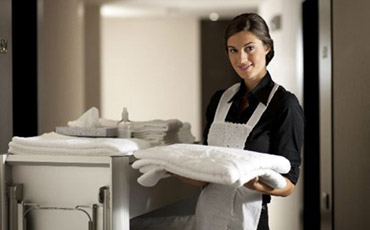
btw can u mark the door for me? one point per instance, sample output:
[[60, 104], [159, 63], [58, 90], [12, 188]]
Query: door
[[6, 115], [24, 66]]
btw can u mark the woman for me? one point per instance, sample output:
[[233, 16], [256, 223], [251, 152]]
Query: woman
[[273, 123]]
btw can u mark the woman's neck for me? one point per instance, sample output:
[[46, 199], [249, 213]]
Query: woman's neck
[[253, 82]]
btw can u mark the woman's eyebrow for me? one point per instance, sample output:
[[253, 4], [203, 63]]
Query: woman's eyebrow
[[248, 43]]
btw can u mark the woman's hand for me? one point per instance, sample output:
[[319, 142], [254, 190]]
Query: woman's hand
[[256, 184], [189, 181]]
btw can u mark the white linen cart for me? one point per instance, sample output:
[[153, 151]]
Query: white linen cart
[[45, 192]]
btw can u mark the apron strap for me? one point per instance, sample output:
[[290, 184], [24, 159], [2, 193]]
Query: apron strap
[[224, 104], [257, 114]]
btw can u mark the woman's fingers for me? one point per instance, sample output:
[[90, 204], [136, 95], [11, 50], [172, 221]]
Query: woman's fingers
[[251, 184]]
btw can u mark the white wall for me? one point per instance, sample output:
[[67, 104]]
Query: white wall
[[60, 62], [151, 66], [287, 65], [286, 68]]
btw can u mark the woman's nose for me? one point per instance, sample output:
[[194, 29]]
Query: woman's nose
[[243, 57]]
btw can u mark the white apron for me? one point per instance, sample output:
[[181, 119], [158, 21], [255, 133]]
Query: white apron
[[222, 207]]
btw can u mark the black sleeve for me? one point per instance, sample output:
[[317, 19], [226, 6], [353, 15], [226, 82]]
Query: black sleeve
[[287, 138], [210, 113]]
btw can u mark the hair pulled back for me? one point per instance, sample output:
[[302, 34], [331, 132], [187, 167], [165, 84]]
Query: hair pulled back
[[255, 24]]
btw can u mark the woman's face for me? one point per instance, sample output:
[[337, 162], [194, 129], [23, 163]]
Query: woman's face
[[247, 55]]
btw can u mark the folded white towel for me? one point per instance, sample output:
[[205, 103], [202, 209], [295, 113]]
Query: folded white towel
[[155, 135], [212, 164], [15, 148], [89, 119], [158, 132], [53, 143], [185, 135], [156, 138], [156, 125], [108, 122], [152, 174], [173, 135]]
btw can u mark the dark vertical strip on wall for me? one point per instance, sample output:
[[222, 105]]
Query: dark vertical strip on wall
[[311, 109], [216, 70], [24, 34], [92, 56], [332, 118]]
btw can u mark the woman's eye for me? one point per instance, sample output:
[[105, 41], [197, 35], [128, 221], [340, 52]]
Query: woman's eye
[[232, 51], [249, 48]]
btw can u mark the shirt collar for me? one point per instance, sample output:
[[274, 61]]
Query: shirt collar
[[261, 92]]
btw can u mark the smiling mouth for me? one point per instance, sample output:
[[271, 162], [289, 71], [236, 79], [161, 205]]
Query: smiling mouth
[[245, 67]]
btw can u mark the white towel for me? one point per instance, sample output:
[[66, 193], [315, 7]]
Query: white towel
[[158, 132], [108, 122], [147, 127], [89, 119], [57, 144], [152, 135], [159, 138], [212, 164], [174, 134], [185, 135], [156, 125]]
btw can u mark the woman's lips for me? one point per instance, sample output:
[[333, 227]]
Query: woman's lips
[[244, 67]]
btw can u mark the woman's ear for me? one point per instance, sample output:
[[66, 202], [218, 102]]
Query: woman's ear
[[267, 48]]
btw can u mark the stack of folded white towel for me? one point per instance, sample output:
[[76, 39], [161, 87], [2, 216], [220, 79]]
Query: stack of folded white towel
[[157, 132], [220, 165], [185, 135], [57, 144], [163, 132]]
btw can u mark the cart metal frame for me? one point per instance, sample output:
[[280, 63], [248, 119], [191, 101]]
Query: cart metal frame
[[103, 189]]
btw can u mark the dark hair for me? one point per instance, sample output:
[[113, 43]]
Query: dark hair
[[253, 23]]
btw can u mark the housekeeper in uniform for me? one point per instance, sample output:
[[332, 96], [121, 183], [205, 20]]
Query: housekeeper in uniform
[[260, 116]]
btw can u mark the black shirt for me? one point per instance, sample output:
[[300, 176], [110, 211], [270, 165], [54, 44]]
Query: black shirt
[[280, 129]]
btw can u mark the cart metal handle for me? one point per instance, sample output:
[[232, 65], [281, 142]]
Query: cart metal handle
[[92, 220], [104, 199]]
